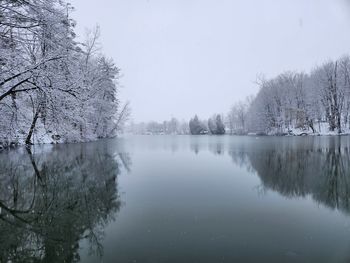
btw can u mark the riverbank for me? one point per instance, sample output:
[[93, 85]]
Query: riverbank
[[45, 138], [320, 129], [54, 139]]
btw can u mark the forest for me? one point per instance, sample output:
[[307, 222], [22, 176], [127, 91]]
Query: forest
[[54, 88], [298, 103], [196, 126]]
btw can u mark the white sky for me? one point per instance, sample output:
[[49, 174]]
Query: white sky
[[186, 57]]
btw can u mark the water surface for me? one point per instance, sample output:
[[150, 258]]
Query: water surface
[[178, 199]]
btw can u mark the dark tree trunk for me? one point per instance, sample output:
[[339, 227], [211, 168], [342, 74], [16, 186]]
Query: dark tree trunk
[[339, 123], [32, 127], [311, 125]]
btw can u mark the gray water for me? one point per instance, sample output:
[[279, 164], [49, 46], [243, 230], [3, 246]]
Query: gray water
[[177, 199]]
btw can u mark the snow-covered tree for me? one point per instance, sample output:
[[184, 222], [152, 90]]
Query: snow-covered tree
[[216, 125], [237, 117], [196, 126], [51, 87], [315, 102]]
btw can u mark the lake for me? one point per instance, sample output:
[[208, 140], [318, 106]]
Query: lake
[[177, 199]]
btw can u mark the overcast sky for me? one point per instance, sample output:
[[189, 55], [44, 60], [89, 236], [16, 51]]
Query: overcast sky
[[181, 57]]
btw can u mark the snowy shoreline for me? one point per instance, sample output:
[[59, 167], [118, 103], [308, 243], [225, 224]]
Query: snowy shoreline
[[298, 134], [11, 145], [4, 145]]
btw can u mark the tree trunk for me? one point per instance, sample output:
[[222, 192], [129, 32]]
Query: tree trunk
[[339, 122], [311, 125], [32, 127]]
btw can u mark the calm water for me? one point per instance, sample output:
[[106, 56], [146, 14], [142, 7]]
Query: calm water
[[178, 199]]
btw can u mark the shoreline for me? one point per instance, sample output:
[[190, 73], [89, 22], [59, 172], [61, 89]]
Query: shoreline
[[17, 145]]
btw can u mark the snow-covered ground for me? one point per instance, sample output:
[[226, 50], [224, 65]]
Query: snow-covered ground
[[321, 129]]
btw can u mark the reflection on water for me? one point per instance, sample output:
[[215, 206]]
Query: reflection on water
[[294, 167], [190, 199], [299, 167], [53, 197]]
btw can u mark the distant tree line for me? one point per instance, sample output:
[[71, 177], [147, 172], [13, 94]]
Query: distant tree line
[[214, 125], [172, 126], [195, 126], [318, 102], [53, 88]]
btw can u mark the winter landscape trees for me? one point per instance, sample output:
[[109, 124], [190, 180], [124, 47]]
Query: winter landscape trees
[[236, 118], [56, 89], [216, 125], [197, 127], [172, 126], [53, 88], [295, 102]]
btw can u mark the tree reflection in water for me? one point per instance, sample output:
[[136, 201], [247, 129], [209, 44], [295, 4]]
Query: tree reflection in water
[[52, 197], [319, 167]]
